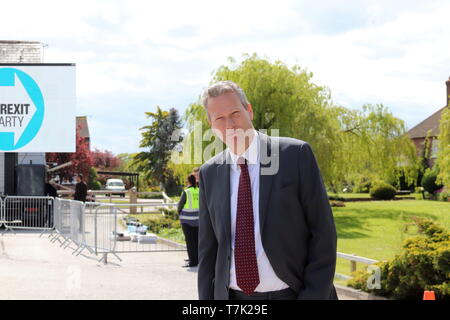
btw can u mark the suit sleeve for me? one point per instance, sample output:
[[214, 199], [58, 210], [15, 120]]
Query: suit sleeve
[[321, 259], [207, 248]]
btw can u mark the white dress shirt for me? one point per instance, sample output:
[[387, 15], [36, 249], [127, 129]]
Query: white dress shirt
[[268, 279]]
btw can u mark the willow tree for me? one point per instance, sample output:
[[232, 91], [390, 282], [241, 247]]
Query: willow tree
[[443, 156], [348, 144], [285, 98], [375, 146]]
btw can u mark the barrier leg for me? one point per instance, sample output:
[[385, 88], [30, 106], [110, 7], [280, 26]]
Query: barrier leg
[[104, 258]]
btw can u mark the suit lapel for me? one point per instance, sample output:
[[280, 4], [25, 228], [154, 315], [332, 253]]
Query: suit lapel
[[223, 178], [265, 181]]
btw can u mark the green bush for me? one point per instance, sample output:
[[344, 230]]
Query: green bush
[[157, 225], [382, 191], [334, 203], [429, 180], [93, 183], [151, 196], [423, 264], [170, 213], [336, 198], [363, 186], [444, 196]]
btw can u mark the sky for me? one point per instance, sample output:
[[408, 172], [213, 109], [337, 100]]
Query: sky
[[132, 56]]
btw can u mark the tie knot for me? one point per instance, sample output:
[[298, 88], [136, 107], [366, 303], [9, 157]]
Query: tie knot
[[241, 161]]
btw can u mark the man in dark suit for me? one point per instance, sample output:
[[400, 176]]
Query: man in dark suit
[[266, 229], [80, 189]]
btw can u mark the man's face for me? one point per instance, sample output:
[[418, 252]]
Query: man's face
[[78, 179], [230, 119]]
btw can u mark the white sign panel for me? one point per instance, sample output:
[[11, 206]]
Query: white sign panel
[[37, 108]]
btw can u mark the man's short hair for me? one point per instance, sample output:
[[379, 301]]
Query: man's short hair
[[220, 88], [196, 169]]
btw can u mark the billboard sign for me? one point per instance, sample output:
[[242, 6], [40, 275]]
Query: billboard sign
[[37, 108]]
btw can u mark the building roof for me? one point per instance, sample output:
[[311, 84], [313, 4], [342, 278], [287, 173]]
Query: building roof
[[430, 123], [84, 129]]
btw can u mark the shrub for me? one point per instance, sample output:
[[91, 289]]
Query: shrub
[[157, 225], [429, 180], [336, 198], [444, 196], [423, 264], [93, 183], [170, 213], [151, 196], [382, 191], [363, 186], [334, 203]]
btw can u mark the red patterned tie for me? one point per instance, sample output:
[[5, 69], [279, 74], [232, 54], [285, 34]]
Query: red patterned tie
[[244, 247]]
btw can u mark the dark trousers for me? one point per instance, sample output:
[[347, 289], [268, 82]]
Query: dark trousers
[[191, 236], [286, 294]]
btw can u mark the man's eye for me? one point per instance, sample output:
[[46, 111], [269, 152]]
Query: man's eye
[[235, 113], [218, 119]]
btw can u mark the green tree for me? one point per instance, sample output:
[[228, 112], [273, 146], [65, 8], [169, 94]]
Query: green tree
[[443, 156], [424, 159], [350, 145], [93, 183], [284, 98], [375, 146], [158, 139]]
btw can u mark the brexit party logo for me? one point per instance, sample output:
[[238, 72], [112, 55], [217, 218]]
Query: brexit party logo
[[21, 109]]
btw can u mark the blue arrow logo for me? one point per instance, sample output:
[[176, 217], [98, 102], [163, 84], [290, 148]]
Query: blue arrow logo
[[21, 109]]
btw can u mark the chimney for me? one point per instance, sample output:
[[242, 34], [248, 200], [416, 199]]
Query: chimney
[[448, 91]]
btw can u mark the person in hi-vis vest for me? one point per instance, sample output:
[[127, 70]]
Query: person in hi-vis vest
[[188, 209]]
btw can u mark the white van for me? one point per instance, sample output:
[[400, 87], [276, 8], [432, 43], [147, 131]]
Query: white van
[[115, 185]]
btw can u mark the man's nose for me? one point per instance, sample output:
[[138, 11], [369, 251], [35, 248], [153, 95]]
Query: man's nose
[[230, 123]]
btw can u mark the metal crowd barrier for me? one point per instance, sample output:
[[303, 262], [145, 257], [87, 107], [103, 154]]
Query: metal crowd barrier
[[2, 218], [19, 212], [102, 229], [113, 234], [70, 225]]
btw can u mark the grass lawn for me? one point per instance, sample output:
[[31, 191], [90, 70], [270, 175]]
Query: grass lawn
[[418, 196], [375, 229]]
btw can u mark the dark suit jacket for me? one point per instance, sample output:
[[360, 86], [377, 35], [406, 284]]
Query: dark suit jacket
[[296, 222], [80, 191]]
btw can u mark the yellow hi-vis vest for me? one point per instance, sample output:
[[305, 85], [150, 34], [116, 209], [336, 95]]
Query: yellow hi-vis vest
[[189, 214], [192, 195]]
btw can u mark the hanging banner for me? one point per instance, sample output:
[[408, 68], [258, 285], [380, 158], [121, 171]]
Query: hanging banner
[[37, 108]]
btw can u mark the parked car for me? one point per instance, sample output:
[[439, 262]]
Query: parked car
[[115, 185]]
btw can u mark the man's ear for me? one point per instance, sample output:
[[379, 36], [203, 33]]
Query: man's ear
[[250, 111]]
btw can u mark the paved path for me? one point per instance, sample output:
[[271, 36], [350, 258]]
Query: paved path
[[33, 268]]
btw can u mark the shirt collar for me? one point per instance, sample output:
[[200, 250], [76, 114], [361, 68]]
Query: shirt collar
[[251, 154]]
